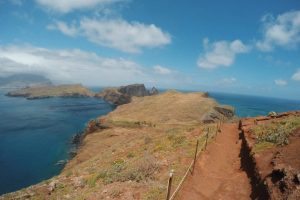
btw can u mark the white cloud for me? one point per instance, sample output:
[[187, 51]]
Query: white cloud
[[220, 53], [65, 6], [283, 31], [69, 65], [296, 76], [117, 33], [64, 28], [280, 82], [77, 66], [162, 70]]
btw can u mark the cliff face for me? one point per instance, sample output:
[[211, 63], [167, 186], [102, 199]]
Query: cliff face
[[113, 96], [41, 92], [124, 94], [137, 90]]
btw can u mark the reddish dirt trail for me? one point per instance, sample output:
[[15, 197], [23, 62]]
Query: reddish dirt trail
[[218, 173]]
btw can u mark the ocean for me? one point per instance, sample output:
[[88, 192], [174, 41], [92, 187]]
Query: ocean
[[36, 134]]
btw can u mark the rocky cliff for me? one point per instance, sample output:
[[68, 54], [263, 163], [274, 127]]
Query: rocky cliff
[[124, 94]]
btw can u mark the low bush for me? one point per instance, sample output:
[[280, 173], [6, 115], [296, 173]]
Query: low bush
[[277, 132]]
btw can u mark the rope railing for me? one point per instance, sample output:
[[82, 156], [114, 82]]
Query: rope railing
[[192, 165]]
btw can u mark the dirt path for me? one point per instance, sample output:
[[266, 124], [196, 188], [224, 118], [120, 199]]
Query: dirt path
[[217, 172]]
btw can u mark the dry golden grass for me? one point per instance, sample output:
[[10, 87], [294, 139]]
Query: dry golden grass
[[169, 107], [53, 91]]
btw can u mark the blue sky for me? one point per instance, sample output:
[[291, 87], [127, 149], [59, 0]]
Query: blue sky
[[247, 47]]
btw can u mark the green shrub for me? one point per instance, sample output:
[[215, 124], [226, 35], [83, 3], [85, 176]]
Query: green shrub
[[277, 132]]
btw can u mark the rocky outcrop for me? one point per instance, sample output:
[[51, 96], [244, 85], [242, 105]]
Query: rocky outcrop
[[219, 113], [42, 92], [153, 91], [137, 90], [123, 94]]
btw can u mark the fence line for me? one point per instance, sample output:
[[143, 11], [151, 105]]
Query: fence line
[[193, 163]]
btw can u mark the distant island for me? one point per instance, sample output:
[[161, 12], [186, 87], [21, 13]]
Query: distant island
[[117, 95], [42, 92], [23, 80]]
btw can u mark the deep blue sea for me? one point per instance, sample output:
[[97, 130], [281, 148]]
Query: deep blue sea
[[249, 106], [36, 134]]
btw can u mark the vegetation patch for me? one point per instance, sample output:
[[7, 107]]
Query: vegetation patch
[[142, 169], [155, 193], [276, 132]]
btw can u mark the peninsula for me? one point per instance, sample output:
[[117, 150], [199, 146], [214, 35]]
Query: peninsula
[[128, 153], [41, 92]]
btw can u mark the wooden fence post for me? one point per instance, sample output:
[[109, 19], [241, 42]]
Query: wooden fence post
[[206, 138], [170, 184], [195, 157]]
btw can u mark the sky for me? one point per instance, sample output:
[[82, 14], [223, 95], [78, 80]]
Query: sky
[[245, 47]]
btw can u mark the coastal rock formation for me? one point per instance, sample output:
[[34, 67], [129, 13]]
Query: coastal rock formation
[[153, 91], [41, 92], [112, 95], [124, 94], [137, 90], [217, 113]]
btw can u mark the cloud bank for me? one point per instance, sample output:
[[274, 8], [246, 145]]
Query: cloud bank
[[282, 31], [220, 53], [77, 66], [130, 37], [65, 6]]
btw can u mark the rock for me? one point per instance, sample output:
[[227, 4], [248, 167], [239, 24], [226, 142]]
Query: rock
[[272, 114], [218, 113], [153, 91], [51, 186], [227, 111], [78, 182], [137, 90], [123, 94], [113, 96], [298, 178], [76, 140]]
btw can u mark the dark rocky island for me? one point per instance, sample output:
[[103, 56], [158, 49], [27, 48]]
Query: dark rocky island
[[122, 95], [41, 92]]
